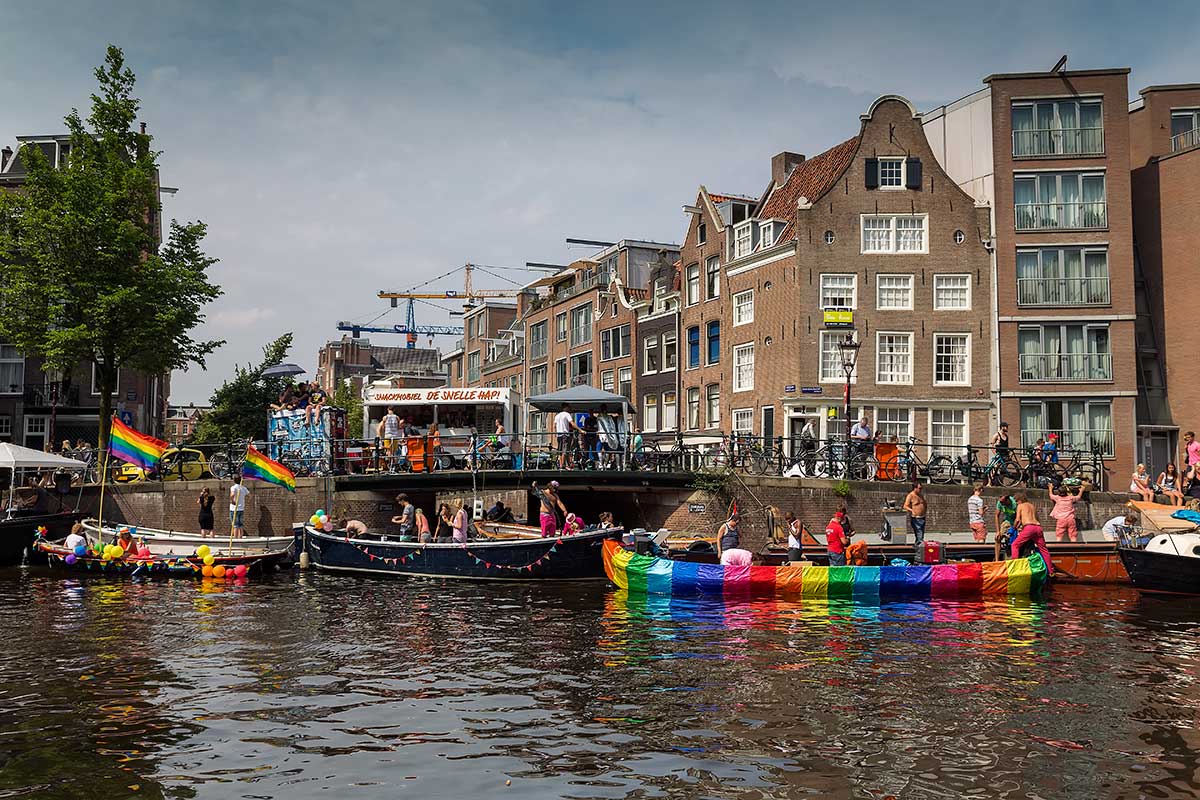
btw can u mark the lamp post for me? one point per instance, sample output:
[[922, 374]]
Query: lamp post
[[848, 348]]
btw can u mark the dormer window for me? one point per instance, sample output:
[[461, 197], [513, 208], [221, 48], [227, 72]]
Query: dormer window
[[766, 234], [743, 240]]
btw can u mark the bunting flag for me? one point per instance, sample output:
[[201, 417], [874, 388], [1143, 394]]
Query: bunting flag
[[132, 447], [258, 467]]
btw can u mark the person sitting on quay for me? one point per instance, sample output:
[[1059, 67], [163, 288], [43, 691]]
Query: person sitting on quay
[[837, 538], [551, 503], [1170, 484], [316, 402], [1140, 484], [1029, 531], [1050, 449], [287, 399], [300, 398]]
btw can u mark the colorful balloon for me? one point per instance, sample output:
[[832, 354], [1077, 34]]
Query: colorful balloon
[[81, 549], [143, 552], [218, 571], [70, 559], [208, 560], [203, 550], [206, 571], [320, 512], [240, 570]]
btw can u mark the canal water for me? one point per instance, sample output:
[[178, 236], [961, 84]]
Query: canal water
[[322, 686]]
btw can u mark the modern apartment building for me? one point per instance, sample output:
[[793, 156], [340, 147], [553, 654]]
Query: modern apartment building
[[1049, 152], [1164, 125]]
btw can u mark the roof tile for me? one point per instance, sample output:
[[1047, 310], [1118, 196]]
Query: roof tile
[[811, 178]]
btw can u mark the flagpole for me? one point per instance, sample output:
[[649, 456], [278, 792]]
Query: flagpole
[[233, 513], [103, 481]]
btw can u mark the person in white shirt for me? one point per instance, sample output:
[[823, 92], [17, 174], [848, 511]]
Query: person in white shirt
[[237, 506], [1110, 528], [75, 537], [795, 537], [564, 429], [389, 432]]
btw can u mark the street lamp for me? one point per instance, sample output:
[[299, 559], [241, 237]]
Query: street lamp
[[848, 348]]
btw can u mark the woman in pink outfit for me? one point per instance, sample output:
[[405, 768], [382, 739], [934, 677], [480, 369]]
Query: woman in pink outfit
[[1065, 527]]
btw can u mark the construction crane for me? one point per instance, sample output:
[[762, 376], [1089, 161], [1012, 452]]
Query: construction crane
[[469, 293], [410, 328]]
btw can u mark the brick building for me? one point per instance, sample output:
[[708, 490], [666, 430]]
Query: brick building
[[1049, 152], [656, 354], [491, 350], [358, 362], [182, 420], [1164, 144]]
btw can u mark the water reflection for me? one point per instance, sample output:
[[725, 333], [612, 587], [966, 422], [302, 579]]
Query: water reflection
[[302, 687]]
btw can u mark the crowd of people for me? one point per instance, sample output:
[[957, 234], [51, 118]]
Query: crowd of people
[[303, 396]]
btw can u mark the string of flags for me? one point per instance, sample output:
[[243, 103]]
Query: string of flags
[[404, 559], [527, 567]]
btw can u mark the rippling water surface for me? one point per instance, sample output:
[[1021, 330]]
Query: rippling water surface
[[336, 687]]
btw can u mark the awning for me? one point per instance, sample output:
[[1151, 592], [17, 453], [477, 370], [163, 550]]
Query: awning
[[13, 456], [578, 398]]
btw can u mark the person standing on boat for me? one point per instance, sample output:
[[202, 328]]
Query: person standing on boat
[[206, 520], [915, 505], [445, 525], [1065, 527], [975, 514], [729, 536], [75, 537], [551, 504], [422, 522], [795, 537], [459, 526], [1030, 531], [406, 519], [237, 506], [1006, 520], [837, 538]]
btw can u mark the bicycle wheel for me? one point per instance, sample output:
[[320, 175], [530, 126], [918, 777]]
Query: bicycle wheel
[[716, 459], [218, 465], [755, 462], [1007, 474], [895, 469], [940, 469]]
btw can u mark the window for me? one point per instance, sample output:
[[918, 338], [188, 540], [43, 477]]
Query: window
[[947, 431], [669, 411], [1185, 128], [891, 173], [839, 291], [712, 397], [607, 381], [1080, 424], [581, 325], [670, 351], [743, 307], [693, 408], [952, 359], [5, 428], [894, 234], [893, 358], [743, 421], [951, 292], [829, 238], [959, 237], [693, 342], [1060, 200], [895, 422], [12, 370], [614, 342], [712, 277], [1064, 353], [96, 382], [471, 327], [537, 380], [1067, 276], [560, 374], [894, 292], [581, 369], [714, 342], [743, 240], [537, 340], [1057, 127], [831, 359], [650, 412], [613, 310], [473, 368], [650, 355], [743, 367], [701, 233], [766, 234], [693, 284], [625, 382], [560, 327]]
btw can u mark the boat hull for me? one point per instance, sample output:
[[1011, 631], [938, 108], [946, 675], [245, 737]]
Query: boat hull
[[566, 558], [1161, 573], [189, 566], [17, 534], [184, 543]]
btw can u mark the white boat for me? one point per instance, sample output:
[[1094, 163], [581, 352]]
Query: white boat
[[182, 543]]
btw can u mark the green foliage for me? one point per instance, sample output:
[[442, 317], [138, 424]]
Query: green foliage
[[716, 483], [83, 279], [842, 489], [239, 406], [345, 397]]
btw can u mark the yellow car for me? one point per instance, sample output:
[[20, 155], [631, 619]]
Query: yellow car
[[175, 465]]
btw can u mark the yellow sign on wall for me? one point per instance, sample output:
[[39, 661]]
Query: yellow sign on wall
[[839, 318]]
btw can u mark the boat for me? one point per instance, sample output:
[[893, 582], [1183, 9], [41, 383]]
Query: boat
[[192, 565], [18, 525], [650, 575], [566, 558], [172, 543], [1162, 555]]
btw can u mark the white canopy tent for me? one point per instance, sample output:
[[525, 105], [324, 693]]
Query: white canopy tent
[[14, 456]]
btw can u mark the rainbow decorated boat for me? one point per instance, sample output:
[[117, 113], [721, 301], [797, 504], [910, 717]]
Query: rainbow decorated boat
[[649, 575]]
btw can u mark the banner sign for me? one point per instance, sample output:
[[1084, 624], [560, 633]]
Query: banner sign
[[386, 395], [839, 318]]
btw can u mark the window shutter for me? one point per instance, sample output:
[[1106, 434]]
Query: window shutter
[[872, 173], [912, 172]]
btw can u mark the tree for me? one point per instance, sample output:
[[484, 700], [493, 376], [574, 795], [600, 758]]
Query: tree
[[83, 277], [239, 406], [346, 398]]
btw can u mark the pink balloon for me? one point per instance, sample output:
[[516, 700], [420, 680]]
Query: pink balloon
[[327, 527], [240, 570]]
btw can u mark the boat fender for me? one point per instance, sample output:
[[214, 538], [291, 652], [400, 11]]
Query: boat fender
[[304, 562]]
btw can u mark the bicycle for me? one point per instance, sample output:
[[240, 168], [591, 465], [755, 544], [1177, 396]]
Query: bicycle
[[1000, 470], [226, 464], [907, 465]]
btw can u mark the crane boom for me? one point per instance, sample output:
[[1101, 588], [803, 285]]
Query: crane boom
[[451, 294]]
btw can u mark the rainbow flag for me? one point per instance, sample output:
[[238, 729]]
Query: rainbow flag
[[136, 448], [258, 467]]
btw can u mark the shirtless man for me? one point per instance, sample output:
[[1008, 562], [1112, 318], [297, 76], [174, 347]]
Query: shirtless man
[[550, 501], [1029, 530], [915, 505]]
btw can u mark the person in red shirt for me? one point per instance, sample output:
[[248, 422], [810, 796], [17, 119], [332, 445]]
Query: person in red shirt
[[837, 538]]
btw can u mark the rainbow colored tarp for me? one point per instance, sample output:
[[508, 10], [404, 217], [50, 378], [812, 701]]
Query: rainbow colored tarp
[[135, 448], [258, 467], [645, 574]]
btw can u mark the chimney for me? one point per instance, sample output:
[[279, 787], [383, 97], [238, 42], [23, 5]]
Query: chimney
[[782, 165], [143, 128], [5, 157]]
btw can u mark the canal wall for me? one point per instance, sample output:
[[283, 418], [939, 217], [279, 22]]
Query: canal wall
[[639, 503]]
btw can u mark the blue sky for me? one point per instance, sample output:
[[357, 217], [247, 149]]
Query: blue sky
[[336, 149]]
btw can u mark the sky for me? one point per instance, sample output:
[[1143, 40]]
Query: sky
[[338, 149]]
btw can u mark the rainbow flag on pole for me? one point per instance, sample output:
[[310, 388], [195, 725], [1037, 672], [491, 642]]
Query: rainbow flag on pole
[[135, 448], [258, 467]]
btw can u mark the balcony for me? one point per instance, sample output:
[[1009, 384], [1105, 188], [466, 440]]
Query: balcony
[[1092, 215], [1063, 292], [1065, 367], [1083, 439], [1182, 141], [537, 349], [42, 396], [1058, 142], [581, 335]]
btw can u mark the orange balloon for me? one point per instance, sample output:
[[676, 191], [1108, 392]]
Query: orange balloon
[[206, 571], [218, 571]]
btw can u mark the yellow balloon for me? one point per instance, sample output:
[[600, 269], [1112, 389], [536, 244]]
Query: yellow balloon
[[208, 559], [203, 550]]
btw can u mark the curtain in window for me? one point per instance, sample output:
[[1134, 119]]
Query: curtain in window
[[1024, 142], [1076, 433], [1070, 128], [1076, 360], [1100, 425], [1100, 367], [1093, 201], [1070, 216], [1095, 269], [1025, 196], [1091, 135], [1029, 347], [1030, 287], [1045, 124], [1031, 422]]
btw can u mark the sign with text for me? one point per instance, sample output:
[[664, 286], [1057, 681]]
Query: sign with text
[[839, 318], [811, 390], [386, 395], [696, 508], [791, 387]]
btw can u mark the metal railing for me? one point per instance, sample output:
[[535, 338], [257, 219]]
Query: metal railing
[[1058, 142], [581, 334], [1063, 291], [1084, 440], [1062, 216], [39, 394], [538, 348], [1037, 367], [1186, 139]]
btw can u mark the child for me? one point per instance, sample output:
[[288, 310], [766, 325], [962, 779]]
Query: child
[[975, 514], [1065, 527]]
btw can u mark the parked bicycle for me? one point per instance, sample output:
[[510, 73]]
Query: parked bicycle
[[908, 466]]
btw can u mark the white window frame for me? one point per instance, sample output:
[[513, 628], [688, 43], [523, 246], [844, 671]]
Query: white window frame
[[651, 343], [966, 363], [690, 423], [691, 277], [586, 332], [6, 426], [710, 420], [739, 414], [853, 289], [937, 279], [879, 354], [740, 381], [608, 381], [712, 291], [20, 384], [565, 372], [669, 400], [911, 423], [893, 236], [743, 245], [902, 161], [625, 374], [766, 235], [743, 308], [613, 335], [650, 413], [116, 384], [951, 450], [30, 419], [880, 277], [669, 339], [833, 336], [544, 383], [561, 327]]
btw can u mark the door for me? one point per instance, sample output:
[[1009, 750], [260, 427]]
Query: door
[[795, 425], [36, 431], [768, 425]]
